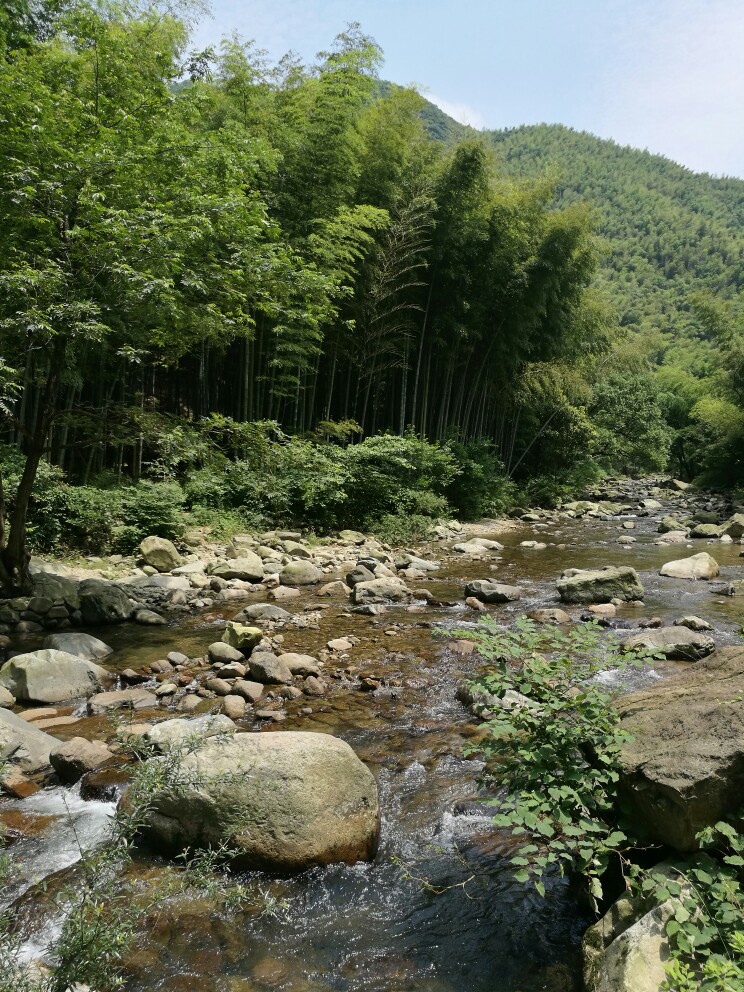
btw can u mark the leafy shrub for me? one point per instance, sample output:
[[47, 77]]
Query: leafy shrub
[[149, 508], [401, 530], [481, 488], [391, 475]]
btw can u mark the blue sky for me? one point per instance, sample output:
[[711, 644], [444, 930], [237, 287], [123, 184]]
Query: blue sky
[[667, 75]]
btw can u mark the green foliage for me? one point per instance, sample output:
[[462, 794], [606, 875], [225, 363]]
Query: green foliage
[[552, 749], [481, 487], [631, 433], [149, 508], [402, 529], [554, 746]]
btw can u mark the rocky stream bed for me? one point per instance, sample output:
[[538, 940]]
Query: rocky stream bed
[[383, 676]]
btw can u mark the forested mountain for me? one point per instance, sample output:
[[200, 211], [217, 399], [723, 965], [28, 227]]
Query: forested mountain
[[670, 232], [206, 259]]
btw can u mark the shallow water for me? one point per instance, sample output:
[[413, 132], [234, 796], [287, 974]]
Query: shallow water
[[380, 926]]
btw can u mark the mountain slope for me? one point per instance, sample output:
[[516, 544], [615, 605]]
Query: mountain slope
[[670, 232]]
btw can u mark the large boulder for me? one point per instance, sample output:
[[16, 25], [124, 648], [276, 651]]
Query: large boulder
[[734, 526], [683, 768], [300, 573], [380, 591], [677, 643], [103, 602], [700, 566], [23, 745], [492, 592], [160, 553], [599, 585], [81, 645], [51, 676], [72, 759], [707, 530], [286, 802], [60, 589], [248, 567]]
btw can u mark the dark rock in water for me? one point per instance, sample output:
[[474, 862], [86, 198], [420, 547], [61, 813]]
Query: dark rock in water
[[492, 592], [105, 785]]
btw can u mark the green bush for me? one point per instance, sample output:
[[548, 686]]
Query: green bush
[[149, 508], [401, 530], [481, 488]]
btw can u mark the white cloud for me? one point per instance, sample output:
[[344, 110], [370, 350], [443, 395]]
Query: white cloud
[[681, 91], [461, 112]]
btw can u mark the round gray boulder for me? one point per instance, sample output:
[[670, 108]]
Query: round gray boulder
[[286, 802], [51, 676]]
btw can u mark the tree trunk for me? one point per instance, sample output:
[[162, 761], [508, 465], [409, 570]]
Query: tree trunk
[[15, 578]]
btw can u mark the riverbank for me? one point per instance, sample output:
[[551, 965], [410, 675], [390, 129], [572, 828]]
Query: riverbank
[[389, 690]]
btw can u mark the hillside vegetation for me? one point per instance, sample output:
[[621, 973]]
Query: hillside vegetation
[[298, 293]]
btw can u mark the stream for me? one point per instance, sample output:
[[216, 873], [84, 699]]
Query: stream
[[380, 926]]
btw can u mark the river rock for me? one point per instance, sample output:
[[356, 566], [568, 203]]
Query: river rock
[[734, 526], [188, 734], [352, 537], [599, 585], [675, 643], [149, 618], [247, 567], [669, 525], [81, 645], [360, 573], [285, 802], [300, 573], [694, 623], [121, 699], [267, 668], [72, 759], [223, 653], [706, 530], [24, 746], [492, 592], [7, 699], [380, 591], [300, 664], [218, 686], [477, 546], [700, 566], [263, 611], [160, 553], [103, 602], [233, 706], [683, 768], [250, 691], [627, 950], [239, 544], [50, 676], [237, 635], [555, 616], [337, 588]]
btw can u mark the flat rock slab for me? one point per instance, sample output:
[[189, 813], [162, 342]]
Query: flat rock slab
[[683, 770], [599, 585], [121, 699], [675, 643], [23, 745], [81, 645]]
